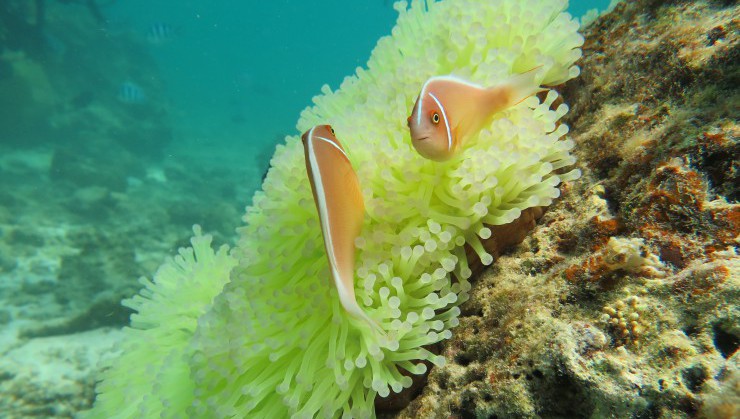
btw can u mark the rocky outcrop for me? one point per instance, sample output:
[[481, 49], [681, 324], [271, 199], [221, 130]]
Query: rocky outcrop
[[623, 301]]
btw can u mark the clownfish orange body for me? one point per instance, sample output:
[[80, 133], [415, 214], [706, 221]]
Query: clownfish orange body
[[338, 198], [449, 110]]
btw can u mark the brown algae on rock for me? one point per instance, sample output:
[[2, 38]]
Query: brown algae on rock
[[624, 300]]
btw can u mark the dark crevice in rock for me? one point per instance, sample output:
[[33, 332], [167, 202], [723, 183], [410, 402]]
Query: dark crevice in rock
[[725, 342], [694, 377], [563, 397]]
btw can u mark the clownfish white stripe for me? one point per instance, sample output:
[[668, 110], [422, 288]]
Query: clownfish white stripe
[[342, 292], [447, 123], [455, 79], [418, 108], [310, 133], [333, 144], [321, 203], [420, 102]]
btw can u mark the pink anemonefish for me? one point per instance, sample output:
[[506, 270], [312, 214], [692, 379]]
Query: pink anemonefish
[[336, 192], [449, 110]]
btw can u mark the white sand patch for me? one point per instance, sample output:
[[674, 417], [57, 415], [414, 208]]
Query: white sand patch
[[52, 376]]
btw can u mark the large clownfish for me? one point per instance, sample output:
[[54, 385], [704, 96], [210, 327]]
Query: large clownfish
[[449, 110], [336, 192]]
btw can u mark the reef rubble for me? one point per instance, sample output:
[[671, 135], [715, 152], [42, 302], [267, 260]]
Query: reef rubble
[[623, 301]]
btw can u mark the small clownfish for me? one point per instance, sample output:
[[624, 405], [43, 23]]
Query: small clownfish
[[336, 192], [449, 110]]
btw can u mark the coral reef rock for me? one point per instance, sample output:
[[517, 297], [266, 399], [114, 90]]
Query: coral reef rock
[[623, 301]]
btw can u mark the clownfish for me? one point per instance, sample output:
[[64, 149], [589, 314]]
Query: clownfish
[[338, 198], [449, 110]]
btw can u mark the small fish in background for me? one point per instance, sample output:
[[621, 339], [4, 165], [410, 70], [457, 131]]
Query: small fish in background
[[131, 93], [160, 33]]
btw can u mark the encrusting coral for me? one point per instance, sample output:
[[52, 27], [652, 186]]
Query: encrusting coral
[[537, 341], [619, 253], [276, 342]]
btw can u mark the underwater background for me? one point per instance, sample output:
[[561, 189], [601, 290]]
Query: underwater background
[[122, 124]]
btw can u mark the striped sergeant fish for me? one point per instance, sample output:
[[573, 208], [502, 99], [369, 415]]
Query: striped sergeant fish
[[131, 93], [160, 33]]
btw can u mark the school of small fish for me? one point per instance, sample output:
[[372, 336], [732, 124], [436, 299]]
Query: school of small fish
[[447, 112]]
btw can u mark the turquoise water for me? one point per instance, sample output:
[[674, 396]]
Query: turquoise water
[[259, 63], [121, 126]]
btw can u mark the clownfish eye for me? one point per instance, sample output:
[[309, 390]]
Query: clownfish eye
[[435, 118]]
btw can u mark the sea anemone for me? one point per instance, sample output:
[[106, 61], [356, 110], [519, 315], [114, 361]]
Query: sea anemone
[[276, 342], [152, 373]]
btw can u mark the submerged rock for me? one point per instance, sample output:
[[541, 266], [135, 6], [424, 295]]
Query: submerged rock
[[623, 301]]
